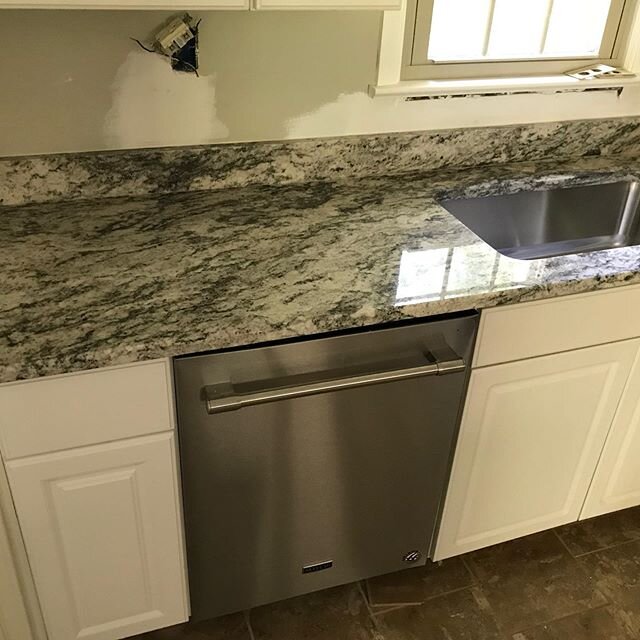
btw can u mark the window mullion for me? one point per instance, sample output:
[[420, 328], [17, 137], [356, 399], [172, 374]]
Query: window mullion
[[547, 22], [489, 27]]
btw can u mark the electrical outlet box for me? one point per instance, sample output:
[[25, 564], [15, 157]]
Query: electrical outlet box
[[599, 71], [175, 36]]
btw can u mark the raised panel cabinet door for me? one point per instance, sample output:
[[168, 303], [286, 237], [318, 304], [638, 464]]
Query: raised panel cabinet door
[[103, 534], [529, 442], [616, 484]]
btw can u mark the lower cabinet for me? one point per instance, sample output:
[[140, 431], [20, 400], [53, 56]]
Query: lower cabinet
[[530, 439], [101, 527], [14, 619], [616, 484]]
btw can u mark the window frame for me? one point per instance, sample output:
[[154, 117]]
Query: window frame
[[416, 66]]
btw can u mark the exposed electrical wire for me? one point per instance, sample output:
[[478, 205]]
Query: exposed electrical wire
[[178, 41], [164, 55], [184, 62], [142, 46]]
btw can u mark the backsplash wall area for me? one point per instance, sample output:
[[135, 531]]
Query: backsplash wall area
[[81, 84], [53, 178]]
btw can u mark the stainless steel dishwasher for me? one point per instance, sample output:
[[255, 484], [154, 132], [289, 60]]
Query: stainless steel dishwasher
[[316, 463]]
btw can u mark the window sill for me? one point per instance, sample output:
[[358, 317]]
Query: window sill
[[417, 89]]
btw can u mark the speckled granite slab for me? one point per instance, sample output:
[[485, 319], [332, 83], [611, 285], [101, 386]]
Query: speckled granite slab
[[97, 283], [185, 169]]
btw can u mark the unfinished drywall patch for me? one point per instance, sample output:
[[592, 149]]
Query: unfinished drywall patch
[[156, 106], [266, 76], [357, 113]]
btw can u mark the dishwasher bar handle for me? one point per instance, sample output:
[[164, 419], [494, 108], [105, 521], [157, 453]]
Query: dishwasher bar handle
[[225, 397]]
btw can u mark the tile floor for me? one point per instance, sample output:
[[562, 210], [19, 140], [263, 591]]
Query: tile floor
[[577, 582]]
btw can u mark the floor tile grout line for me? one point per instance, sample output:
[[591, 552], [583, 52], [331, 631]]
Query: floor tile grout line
[[363, 588], [366, 592], [396, 605], [480, 587], [564, 544], [473, 581], [474, 578], [583, 569], [363, 593], [377, 614], [502, 635], [377, 608], [611, 546], [247, 621], [559, 619], [446, 593]]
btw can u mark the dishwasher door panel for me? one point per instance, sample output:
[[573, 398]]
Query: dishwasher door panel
[[351, 477]]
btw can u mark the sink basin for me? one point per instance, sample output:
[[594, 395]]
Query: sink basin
[[554, 222]]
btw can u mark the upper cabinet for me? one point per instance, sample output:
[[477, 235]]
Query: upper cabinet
[[166, 5], [202, 5], [326, 4]]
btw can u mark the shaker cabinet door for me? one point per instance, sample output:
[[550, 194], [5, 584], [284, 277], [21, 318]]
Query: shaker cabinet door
[[616, 484], [531, 435], [102, 529]]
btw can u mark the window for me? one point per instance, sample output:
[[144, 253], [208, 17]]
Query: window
[[456, 39]]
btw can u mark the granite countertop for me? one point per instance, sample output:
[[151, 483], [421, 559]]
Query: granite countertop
[[90, 284]]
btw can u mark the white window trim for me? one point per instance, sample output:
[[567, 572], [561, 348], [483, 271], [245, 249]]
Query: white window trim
[[390, 60]]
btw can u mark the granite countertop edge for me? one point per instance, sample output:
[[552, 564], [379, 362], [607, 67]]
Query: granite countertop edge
[[33, 352]]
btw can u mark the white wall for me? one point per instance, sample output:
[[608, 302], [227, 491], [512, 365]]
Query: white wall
[[74, 82]]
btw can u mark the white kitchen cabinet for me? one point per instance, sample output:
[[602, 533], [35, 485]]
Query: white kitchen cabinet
[[530, 329], [170, 5], [616, 483], [327, 4], [14, 619], [20, 615], [202, 5], [530, 438], [84, 408], [102, 529]]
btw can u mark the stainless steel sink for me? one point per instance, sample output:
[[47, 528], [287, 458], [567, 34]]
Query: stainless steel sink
[[554, 222]]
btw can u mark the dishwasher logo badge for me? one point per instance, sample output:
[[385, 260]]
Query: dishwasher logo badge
[[318, 566], [412, 556]]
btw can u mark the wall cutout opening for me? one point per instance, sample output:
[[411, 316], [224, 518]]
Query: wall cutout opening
[[178, 41]]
